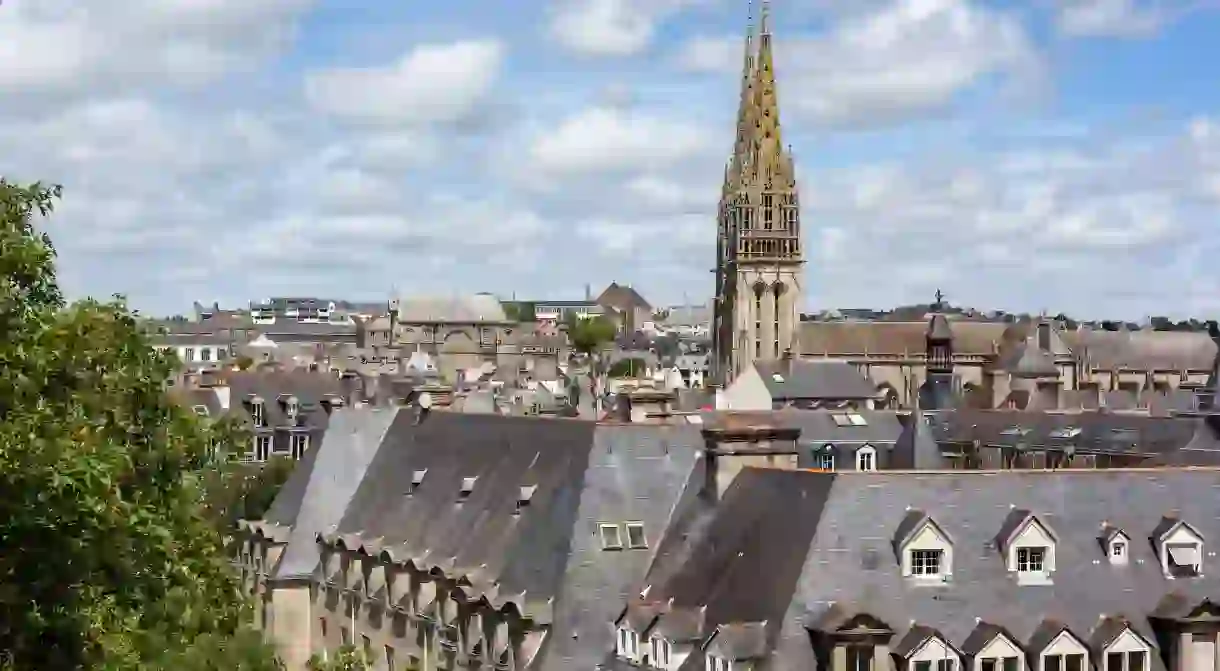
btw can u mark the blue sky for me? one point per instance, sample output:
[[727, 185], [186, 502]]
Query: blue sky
[[1051, 154]]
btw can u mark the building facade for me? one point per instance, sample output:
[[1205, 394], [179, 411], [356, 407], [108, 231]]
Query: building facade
[[759, 255]]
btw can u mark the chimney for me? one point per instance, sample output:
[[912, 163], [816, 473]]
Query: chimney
[[786, 360]]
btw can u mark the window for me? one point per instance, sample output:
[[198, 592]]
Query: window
[[467, 488], [611, 536], [205, 354], [1031, 560], [866, 459], [660, 653], [715, 663], [941, 665], [926, 563], [291, 407], [1135, 660], [826, 459], [188, 354], [859, 658], [279, 447], [1063, 663], [635, 536], [1183, 559], [262, 449], [322, 628], [300, 444], [1118, 549], [628, 643], [256, 413], [999, 664]]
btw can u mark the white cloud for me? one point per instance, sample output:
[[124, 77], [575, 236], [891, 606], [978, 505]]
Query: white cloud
[[432, 83], [55, 46], [599, 140], [907, 58], [611, 27], [1120, 18]]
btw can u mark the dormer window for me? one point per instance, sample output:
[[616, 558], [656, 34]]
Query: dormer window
[[636, 539], [849, 419], [1064, 653], [717, 663], [292, 408], [1181, 548], [628, 646], [417, 479], [661, 653], [1028, 547], [924, 549], [866, 458], [467, 488], [257, 416], [524, 496], [611, 536]]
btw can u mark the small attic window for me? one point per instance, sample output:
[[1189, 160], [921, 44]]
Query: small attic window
[[201, 410], [777, 377], [256, 412], [467, 488], [849, 419], [1066, 432], [1015, 432], [525, 495], [417, 479], [611, 536], [636, 540]]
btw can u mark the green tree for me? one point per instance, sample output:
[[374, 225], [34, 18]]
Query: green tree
[[244, 362], [520, 311], [107, 558], [346, 658], [588, 336], [627, 368], [243, 491]]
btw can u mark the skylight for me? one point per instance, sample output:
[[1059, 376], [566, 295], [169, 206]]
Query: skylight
[[849, 419], [1066, 432], [1017, 431]]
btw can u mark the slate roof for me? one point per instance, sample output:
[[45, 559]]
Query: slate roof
[[621, 297], [342, 460], [838, 528], [1102, 432], [819, 380], [475, 309], [1143, 350], [548, 559]]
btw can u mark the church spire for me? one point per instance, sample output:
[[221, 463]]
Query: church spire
[[771, 155], [745, 118]]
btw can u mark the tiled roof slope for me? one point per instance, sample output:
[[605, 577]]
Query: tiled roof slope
[[398, 487], [351, 441], [849, 564]]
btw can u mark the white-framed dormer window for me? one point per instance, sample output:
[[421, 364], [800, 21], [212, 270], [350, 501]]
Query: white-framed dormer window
[[824, 459], [261, 449], [1031, 552], [256, 413], [628, 644], [300, 445], [1118, 551], [926, 551], [1181, 551], [1064, 653], [866, 458], [611, 536], [661, 653], [933, 655], [717, 663], [635, 536], [291, 408], [1127, 652], [1000, 654], [927, 563]]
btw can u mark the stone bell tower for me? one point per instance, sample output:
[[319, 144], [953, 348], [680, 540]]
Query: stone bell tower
[[759, 256]]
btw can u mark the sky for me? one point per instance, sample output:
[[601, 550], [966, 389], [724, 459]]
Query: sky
[[1057, 155]]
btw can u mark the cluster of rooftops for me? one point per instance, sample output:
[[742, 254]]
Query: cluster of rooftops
[[612, 535]]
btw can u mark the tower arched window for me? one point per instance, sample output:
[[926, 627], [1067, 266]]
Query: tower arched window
[[777, 292], [768, 207], [759, 290]]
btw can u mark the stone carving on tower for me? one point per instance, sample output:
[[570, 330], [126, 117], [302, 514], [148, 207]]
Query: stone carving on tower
[[759, 256]]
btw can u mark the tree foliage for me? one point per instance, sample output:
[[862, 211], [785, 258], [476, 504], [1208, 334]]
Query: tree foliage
[[346, 658], [590, 335], [243, 491], [107, 558], [632, 367]]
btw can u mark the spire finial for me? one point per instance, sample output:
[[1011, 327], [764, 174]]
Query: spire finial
[[765, 18]]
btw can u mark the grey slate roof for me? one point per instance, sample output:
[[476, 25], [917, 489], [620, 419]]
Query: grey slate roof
[[351, 441], [814, 379], [839, 528]]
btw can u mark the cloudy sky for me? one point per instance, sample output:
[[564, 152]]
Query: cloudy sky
[[1040, 154]]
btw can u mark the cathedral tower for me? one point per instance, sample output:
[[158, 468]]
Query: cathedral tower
[[759, 260]]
